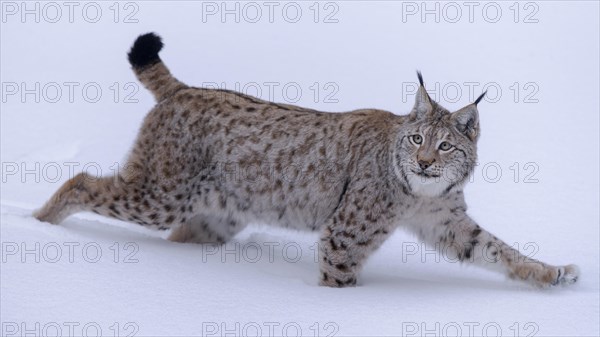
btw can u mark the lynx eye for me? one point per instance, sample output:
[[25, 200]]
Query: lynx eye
[[445, 146], [417, 139]]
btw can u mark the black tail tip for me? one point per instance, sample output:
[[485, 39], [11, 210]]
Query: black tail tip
[[145, 50]]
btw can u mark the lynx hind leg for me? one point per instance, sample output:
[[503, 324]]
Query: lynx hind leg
[[70, 198], [114, 197], [205, 228]]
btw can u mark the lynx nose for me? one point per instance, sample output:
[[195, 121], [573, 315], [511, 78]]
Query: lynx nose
[[424, 164]]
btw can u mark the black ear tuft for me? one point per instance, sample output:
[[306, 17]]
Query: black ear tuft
[[480, 98], [420, 77], [145, 50]]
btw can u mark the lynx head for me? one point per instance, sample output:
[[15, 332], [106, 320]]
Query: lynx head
[[437, 149]]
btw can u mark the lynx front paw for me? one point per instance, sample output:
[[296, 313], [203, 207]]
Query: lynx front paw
[[567, 275], [560, 276], [545, 276]]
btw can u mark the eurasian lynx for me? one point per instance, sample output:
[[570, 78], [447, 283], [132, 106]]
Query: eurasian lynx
[[207, 162]]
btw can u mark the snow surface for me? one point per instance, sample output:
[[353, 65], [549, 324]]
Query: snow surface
[[144, 285]]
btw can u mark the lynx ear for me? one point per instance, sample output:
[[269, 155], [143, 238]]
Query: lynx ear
[[467, 121], [423, 104]]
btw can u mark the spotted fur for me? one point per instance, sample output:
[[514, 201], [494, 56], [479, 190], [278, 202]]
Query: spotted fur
[[207, 162]]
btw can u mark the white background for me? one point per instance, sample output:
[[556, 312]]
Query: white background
[[539, 61]]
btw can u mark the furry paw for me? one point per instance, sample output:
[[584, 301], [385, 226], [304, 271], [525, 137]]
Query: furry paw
[[46, 215], [567, 275], [545, 276]]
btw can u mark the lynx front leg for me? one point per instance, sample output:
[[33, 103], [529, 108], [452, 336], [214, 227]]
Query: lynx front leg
[[356, 229], [464, 240]]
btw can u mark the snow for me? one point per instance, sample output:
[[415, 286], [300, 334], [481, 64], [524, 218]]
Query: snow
[[94, 274]]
